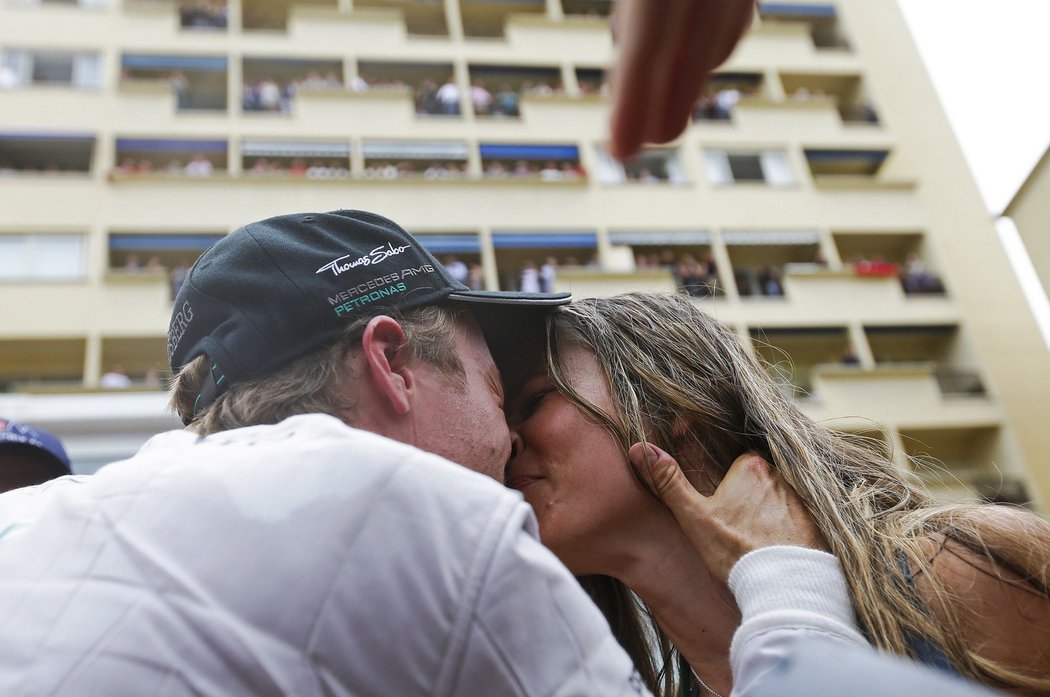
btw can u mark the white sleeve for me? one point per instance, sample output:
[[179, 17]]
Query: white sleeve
[[786, 594], [535, 632]]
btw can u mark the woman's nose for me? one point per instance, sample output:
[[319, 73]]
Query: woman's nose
[[517, 443]]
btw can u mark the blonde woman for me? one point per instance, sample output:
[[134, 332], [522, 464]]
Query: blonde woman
[[959, 587]]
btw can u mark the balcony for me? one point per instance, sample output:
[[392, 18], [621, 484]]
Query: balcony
[[44, 359], [793, 354], [595, 283], [198, 83], [53, 155]]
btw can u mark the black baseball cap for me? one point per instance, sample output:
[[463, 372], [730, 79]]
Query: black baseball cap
[[277, 289]]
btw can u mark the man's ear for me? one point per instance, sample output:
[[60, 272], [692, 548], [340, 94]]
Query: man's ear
[[383, 346]]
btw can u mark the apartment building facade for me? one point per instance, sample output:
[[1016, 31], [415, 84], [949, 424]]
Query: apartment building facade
[[818, 203]]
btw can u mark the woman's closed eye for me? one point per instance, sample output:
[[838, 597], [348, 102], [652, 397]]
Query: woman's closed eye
[[534, 399]]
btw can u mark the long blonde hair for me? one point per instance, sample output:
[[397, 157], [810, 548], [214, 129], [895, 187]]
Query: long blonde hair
[[682, 381]]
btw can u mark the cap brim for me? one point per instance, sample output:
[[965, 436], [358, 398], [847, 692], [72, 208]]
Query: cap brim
[[488, 297]]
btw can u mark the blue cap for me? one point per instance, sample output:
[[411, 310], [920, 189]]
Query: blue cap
[[12, 433]]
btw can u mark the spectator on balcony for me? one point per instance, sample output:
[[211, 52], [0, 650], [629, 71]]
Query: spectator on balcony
[[476, 277], [849, 357], [916, 278], [523, 169], [298, 167], [448, 96], [174, 166], [539, 89], [436, 170], [691, 277], [529, 277], [261, 166], [199, 166], [180, 85], [132, 264], [456, 268], [154, 266], [725, 101], [507, 102], [548, 275], [314, 81], [269, 95], [495, 170], [645, 176], [115, 379], [178, 277], [427, 101], [570, 171], [771, 283], [551, 173], [709, 270], [250, 96], [481, 98]]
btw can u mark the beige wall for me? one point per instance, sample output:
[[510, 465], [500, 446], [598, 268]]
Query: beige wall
[[1030, 211], [924, 188]]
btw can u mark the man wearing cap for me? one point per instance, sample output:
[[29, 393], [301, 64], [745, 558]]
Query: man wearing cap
[[29, 456], [292, 540]]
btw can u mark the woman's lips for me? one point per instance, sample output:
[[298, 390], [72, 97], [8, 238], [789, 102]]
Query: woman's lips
[[521, 481]]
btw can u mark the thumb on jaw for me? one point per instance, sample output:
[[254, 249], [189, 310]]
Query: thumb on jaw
[[661, 472]]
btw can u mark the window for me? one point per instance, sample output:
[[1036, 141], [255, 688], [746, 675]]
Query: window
[[21, 68], [652, 166], [41, 257], [771, 167]]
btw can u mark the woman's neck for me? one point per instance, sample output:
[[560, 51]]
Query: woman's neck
[[698, 614]]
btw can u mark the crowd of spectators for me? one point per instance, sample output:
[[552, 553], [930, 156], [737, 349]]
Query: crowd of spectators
[[717, 106], [644, 175], [10, 169], [695, 277], [427, 169], [203, 15], [470, 275], [914, 276], [317, 168], [267, 94], [538, 279], [197, 166], [521, 169]]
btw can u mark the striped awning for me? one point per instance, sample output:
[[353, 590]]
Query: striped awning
[[669, 238], [547, 240], [274, 148], [530, 152], [791, 9], [170, 145], [23, 135], [465, 243], [414, 150], [771, 237], [204, 63]]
